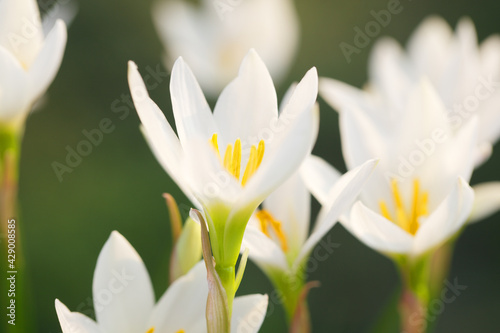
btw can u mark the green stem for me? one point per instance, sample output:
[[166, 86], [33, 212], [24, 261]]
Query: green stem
[[290, 287], [10, 141], [415, 294], [228, 280]]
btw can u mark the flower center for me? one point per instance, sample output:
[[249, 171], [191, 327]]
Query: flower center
[[407, 220], [269, 223], [232, 158]]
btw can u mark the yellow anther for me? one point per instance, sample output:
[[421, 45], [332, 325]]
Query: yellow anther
[[267, 220], [215, 144], [419, 203], [180, 331], [385, 210], [256, 155], [236, 164], [151, 330], [232, 158], [228, 158], [396, 194], [424, 204]]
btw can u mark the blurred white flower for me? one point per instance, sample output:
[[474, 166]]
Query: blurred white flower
[[214, 36], [124, 300], [278, 234], [29, 60], [466, 75], [418, 196], [229, 161]]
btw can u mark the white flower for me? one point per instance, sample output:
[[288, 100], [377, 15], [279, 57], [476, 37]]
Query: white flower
[[278, 235], [124, 300], [214, 36], [466, 75], [29, 60], [229, 161], [418, 196]]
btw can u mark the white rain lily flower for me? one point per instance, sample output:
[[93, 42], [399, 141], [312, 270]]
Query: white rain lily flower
[[278, 236], [214, 36], [124, 300], [418, 196], [29, 61], [466, 75], [228, 161]]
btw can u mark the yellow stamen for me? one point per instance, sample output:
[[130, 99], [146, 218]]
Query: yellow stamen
[[267, 220], [228, 158], [385, 210], [215, 144], [236, 159], [419, 203], [256, 155], [151, 330], [424, 204], [180, 331], [232, 158]]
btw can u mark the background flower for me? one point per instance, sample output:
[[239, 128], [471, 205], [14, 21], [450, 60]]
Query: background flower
[[214, 36], [124, 300], [29, 60]]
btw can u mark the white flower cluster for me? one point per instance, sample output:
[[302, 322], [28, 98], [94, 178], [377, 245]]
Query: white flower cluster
[[428, 116]]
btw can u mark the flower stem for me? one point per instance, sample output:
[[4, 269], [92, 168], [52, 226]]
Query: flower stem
[[415, 294], [228, 280]]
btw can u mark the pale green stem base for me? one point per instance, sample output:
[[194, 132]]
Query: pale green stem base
[[228, 280]]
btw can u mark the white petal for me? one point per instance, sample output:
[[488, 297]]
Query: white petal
[[263, 251], [446, 220], [378, 232], [158, 132], [340, 198], [21, 29], [248, 104], [287, 96], [206, 177], [453, 158], [340, 95], [293, 139], [65, 11], [290, 204], [483, 153], [364, 128], [183, 304], [319, 177], [193, 117], [429, 47], [74, 322], [248, 313], [47, 62], [14, 93], [486, 201], [388, 72], [122, 291]]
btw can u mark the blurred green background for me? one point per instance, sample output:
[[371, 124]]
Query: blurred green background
[[119, 185]]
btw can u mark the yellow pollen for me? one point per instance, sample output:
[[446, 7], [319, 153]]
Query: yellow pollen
[[408, 222], [180, 331], [151, 330], [232, 158], [267, 220]]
